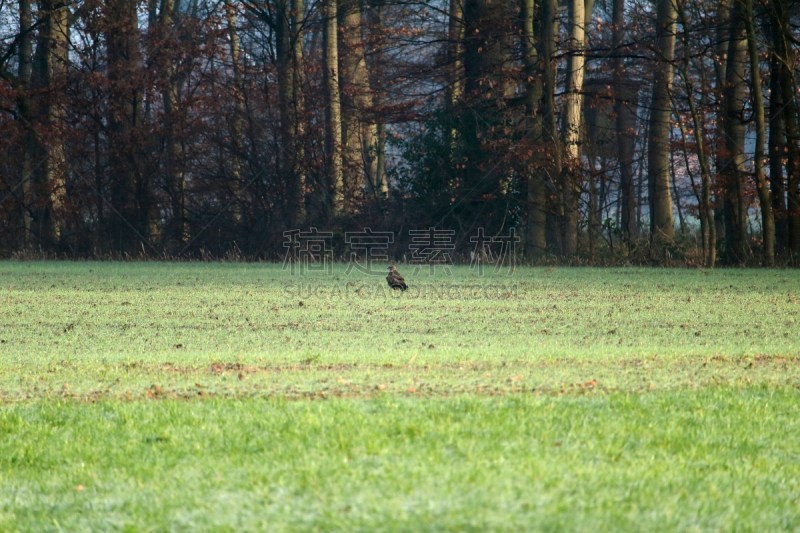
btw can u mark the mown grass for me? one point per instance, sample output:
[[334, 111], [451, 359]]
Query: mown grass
[[164, 397]]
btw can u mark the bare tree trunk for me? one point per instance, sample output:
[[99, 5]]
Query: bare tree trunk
[[359, 132], [572, 123], [298, 102], [720, 68], [49, 186], [764, 194], [25, 106], [377, 73], [552, 171], [175, 175], [707, 226], [237, 121], [333, 127], [733, 168], [131, 197], [536, 223], [625, 125], [785, 58], [777, 142], [455, 51], [661, 225], [287, 92]]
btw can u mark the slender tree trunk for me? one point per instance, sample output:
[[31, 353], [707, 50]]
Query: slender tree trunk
[[49, 187], [661, 225], [333, 127], [706, 211], [764, 194], [359, 132], [733, 163], [552, 171], [573, 107], [777, 144], [175, 175], [625, 126], [720, 150], [237, 124], [298, 102], [535, 234], [287, 92], [130, 189], [25, 106], [455, 51], [786, 57], [676, 199], [377, 73]]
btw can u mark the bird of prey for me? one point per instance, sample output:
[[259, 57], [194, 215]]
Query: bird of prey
[[395, 280]]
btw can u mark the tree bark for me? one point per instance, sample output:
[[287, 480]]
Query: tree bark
[[552, 170], [131, 195], [536, 220], [49, 185], [625, 126], [237, 124], [359, 132], [661, 225], [174, 164], [777, 141], [573, 106], [333, 128], [764, 193], [785, 58], [26, 111], [706, 211], [732, 167]]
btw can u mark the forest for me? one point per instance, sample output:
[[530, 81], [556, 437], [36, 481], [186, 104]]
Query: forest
[[601, 131]]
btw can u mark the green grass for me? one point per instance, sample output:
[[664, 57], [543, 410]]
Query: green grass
[[154, 396]]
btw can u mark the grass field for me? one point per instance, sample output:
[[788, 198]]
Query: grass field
[[151, 396]]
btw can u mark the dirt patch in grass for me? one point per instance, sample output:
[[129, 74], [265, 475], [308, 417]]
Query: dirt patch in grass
[[140, 380]]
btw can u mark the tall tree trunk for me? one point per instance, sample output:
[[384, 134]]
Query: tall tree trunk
[[550, 141], [536, 220], [707, 226], [661, 226], [764, 194], [237, 124], [720, 68], [298, 108], [333, 127], [733, 163], [573, 107], [455, 51], [625, 126], [49, 187], [287, 92], [786, 58], [777, 142], [172, 82], [131, 195], [359, 132], [377, 72], [26, 111]]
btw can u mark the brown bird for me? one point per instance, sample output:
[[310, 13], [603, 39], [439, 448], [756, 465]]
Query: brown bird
[[395, 280]]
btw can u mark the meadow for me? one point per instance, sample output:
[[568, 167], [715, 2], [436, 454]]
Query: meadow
[[230, 396]]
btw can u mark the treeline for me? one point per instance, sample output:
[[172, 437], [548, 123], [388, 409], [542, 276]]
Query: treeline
[[602, 130]]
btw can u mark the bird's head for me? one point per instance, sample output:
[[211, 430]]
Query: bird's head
[[391, 268]]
